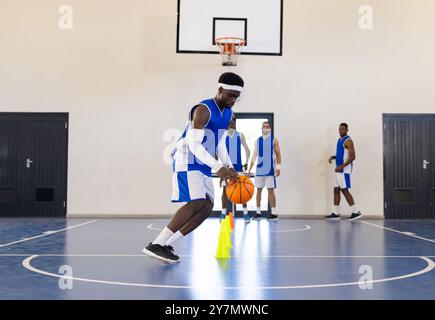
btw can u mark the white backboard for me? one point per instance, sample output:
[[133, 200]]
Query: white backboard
[[259, 22]]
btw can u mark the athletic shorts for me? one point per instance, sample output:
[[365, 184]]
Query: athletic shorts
[[191, 185], [342, 180], [265, 181]]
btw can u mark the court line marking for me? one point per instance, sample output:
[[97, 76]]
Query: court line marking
[[26, 264], [305, 228], [181, 255], [46, 233], [151, 227], [405, 233]]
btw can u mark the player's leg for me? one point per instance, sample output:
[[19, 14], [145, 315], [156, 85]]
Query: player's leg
[[201, 188], [183, 216], [271, 186], [224, 203], [246, 216], [161, 247], [203, 212], [356, 214], [259, 183], [186, 186], [336, 200], [335, 215], [348, 196], [272, 203], [257, 215]]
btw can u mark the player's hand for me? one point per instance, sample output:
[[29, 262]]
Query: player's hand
[[277, 172], [248, 174], [228, 174], [222, 183], [330, 159], [339, 169]]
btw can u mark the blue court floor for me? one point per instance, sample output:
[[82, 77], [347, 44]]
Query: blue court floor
[[285, 259]]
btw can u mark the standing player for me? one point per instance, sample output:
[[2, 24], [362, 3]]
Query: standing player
[[344, 158], [234, 142], [194, 160], [268, 167]]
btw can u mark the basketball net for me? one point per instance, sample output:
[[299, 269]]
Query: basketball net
[[230, 48]]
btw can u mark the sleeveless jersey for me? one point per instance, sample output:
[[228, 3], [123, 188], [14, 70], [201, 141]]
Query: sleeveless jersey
[[266, 156], [183, 159]]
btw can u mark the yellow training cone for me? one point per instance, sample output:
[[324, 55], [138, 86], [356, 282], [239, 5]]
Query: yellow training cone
[[222, 251], [224, 242]]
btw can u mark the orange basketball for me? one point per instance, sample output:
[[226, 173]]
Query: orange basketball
[[240, 191]]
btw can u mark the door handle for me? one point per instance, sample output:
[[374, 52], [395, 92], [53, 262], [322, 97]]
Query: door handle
[[28, 163], [425, 163]]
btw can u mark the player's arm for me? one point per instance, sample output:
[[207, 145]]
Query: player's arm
[[351, 148], [194, 139], [278, 157], [222, 152], [253, 159], [247, 151]]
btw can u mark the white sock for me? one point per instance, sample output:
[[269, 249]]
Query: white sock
[[273, 211], [224, 212], [336, 210], [245, 211], [354, 209], [175, 237], [163, 236], [259, 210]]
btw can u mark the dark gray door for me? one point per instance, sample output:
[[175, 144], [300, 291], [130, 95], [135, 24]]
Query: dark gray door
[[33, 164], [408, 142], [11, 136], [428, 165]]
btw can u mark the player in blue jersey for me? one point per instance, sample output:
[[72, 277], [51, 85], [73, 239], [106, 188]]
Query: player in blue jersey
[[268, 152], [344, 157], [234, 142], [194, 158]]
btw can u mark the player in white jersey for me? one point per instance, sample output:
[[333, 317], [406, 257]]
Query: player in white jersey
[[344, 157], [194, 159]]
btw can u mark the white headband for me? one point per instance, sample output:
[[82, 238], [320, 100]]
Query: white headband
[[230, 87]]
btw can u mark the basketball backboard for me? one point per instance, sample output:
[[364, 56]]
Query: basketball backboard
[[259, 22]]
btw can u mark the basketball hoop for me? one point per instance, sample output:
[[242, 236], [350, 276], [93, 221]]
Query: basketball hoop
[[230, 48]]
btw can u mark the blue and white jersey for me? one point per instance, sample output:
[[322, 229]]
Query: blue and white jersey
[[266, 156], [342, 154], [234, 149], [183, 159]]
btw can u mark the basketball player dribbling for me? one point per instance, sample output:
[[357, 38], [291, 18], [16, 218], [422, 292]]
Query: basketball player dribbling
[[193, 162]]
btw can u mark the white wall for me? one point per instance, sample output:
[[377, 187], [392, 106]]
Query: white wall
[[118, 76]]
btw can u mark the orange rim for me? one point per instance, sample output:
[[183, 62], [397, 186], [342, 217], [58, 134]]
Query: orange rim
[[230, 45]]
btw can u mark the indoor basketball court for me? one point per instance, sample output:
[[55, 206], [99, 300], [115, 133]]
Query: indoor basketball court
[[217, 150]]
